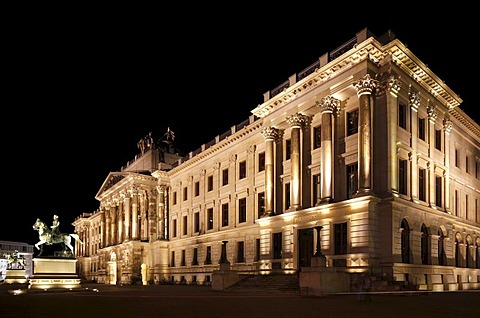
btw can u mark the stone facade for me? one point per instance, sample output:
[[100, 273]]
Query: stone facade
[[367, 142]]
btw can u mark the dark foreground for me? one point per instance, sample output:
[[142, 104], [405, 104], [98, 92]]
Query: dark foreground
[[199, 301]]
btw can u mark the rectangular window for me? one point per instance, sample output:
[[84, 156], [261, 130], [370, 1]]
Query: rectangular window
[[257, 250], [456, 204], [438, 191], [242, 210], [317, 137], [352, 122], [197, 188], [277, 245], [287, 196], [422, 184], [209, 218], [185, 194], [457, 158], [402, 116], [261, 161], [210, 183], [172, 259], [261, 204], [288, 149], [224, 177], [185, 225], [467, 213], [174, 199], [183, 263], [402, 176], [316, 189], [196, 222], [438, 139], [174, 228], [421, 129], [240, 252], [242, 170], [208, 256], [225, 214], [340, 235], [352, 179], [195, 256], [467, 166]]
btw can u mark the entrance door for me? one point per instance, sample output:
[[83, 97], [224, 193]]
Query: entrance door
[[305, 247]]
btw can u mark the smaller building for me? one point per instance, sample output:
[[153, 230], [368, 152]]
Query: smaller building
[[25, 253]]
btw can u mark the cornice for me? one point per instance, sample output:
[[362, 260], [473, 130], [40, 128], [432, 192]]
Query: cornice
[[372, 50], [245, 131]]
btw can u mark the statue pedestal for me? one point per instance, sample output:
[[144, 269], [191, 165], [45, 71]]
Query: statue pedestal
[[16, 276], [54, 273]]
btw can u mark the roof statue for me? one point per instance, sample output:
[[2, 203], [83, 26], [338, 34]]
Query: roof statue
[[52, 235], [146, 143]]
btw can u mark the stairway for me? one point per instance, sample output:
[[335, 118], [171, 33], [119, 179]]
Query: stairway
[[278, 284]]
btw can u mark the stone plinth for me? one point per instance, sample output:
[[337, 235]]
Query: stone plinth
[[16, 276], [224, 278], [51, 273], [321, 281]]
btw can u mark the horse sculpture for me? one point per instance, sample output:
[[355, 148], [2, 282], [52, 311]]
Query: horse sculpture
[[47, 236], [15, 261]]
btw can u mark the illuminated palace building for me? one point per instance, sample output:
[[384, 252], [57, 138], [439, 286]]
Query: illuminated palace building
[[365, 155]]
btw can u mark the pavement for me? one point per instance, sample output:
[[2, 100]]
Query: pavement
[[171, 301]]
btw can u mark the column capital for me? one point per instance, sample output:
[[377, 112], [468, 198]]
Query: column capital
[[414, 99], [297, 120], [329, 105], [393, 85], [270, 133], [365, 85], [432, 113], [447, 125]]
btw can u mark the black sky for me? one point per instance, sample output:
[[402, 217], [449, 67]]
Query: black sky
[[83, 89]]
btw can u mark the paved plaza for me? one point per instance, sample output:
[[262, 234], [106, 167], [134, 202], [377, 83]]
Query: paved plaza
[[200, 301]]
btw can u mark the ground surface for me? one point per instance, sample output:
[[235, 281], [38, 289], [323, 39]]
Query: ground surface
[[199, 301]]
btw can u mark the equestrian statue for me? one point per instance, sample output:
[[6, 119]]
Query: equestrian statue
[[52, 235]]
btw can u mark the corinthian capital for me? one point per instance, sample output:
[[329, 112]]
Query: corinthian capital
[[297, 120], [365, 85], [270, 133], [329, 104]]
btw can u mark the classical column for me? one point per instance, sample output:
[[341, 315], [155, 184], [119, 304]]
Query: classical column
[[127, 223], [108, 230], [432, 117], [161, 211], [329, 107], [134, 213], [120, 216], [296, 121], [271, 136], [113, 225], [392, 87], [414, 104], [365, 87], [447, 127], [152, 216], [103, 227]]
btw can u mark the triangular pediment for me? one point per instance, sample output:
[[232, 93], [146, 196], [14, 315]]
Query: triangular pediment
[[112, 179]]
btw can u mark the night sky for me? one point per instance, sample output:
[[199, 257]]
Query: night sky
[[82, 90]]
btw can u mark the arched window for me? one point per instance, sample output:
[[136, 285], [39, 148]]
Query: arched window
[[442, 256], [458, 253], [477, 249], [468, 252], [405, 240], [425, 245]]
